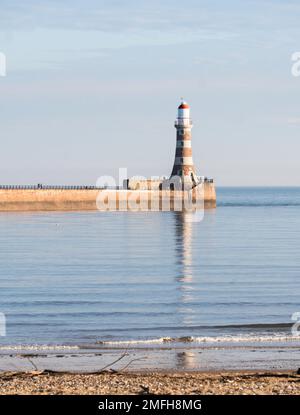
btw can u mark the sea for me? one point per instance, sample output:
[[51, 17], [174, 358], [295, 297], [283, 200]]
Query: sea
[[186, 294]]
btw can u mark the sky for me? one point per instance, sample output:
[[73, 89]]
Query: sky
[[93, 86]]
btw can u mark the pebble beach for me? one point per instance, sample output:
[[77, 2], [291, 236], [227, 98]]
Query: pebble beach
[[128, 383]]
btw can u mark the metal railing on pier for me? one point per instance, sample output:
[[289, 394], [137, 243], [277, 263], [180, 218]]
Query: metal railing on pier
[[52, 187]]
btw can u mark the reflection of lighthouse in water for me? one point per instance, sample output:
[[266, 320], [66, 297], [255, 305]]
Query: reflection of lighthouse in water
[[184, 233], [187, 359]]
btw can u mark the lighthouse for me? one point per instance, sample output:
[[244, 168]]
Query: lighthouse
[[183, 168]]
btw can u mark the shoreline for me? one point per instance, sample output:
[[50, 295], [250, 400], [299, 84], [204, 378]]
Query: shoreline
[[272, 357], [151, 383]]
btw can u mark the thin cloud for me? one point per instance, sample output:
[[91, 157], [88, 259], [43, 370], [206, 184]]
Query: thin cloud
[[116, 16], [294, 121]]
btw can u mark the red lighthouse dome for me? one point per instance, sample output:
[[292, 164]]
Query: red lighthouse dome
[[183, 106]]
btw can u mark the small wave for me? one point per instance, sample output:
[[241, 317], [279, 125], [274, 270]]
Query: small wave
[[37, 347], [204, 339], [145, 341], [244, 339]]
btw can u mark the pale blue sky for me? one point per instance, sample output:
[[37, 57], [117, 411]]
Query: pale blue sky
[[92, 86]]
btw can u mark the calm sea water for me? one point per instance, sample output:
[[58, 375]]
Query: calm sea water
[[90, 277]]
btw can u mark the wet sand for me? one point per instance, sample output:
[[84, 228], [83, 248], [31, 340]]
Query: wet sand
[[218, 358], [211, 370], [143, 383]]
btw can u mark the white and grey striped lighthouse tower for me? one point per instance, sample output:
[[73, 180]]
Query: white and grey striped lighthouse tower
[[183, 165]]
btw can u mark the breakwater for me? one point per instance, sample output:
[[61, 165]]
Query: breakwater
[[51, 198]]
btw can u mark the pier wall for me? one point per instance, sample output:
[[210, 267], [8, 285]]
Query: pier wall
[[61, 199]]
